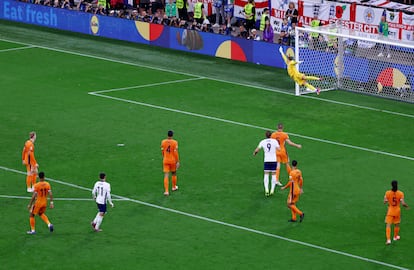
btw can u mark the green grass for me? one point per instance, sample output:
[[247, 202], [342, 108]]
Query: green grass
[[221, 111]]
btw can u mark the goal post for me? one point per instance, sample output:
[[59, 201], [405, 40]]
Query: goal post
[[355, 61]]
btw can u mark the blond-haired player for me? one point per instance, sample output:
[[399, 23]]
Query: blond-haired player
[[297, 76], [282, 155], [28, 159]]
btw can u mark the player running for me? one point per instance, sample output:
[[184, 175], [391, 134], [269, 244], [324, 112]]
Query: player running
[[296, 188], [101, 193], [38, 203], [297, 76]]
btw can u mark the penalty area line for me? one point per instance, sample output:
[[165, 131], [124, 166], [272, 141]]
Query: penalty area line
[[227, 224], [17, 48], [145, 85], [55, 199], [251, 126], [280, 91]]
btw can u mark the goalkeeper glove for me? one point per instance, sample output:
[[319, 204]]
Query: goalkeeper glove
[[281, 50]]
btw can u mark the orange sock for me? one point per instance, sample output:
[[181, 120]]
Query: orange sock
[[33, 180], [396, 231], [32, 223], [296, 210], [45, 219], [388, 233], [174, 180], [166, 184], [293, 214], [29, 181]]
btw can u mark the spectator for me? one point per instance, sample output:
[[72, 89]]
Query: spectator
[[315, 23], [144, 5], [383, 34], [171, 9], [156, 5], [182, 6], [332, 41], [249, 13], [268, 31], [292, 14], [219, 8], [292, 34], [134, 15], [199, 12], [265, 15], [253, 35], [228, 9], [284, 33]]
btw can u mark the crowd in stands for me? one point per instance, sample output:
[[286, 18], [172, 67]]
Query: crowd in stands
[[179, 13], [176, 13]]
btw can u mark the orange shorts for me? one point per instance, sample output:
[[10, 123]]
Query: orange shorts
[[393, 219], [282, 157], [293, 200], [170, 167], [38, 209]]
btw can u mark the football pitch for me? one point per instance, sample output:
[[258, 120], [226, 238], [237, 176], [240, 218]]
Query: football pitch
[[101, 105]]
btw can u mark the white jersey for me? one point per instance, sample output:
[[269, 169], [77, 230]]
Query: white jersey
[[269, 147], [102, 192]]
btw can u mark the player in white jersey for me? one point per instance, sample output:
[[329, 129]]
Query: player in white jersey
[[101, 194], [269, 147]]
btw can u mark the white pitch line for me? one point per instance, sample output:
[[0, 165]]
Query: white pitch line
[[54, 198], [145, 85], [225, 224], [251, 126], [280, 91], [16, 49]]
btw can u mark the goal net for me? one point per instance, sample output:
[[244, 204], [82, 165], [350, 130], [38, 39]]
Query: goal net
[[355, 61]]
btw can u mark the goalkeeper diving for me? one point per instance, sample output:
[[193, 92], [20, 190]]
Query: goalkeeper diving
[[297, 76]]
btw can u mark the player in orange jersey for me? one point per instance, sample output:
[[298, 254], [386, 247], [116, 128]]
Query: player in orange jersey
[[38, 203], [28, 159], [296, 188], [393, 198], [282, 155], [171, 161]]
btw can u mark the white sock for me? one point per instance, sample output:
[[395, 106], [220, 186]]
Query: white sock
[[266, 181], [96, 218], [273, 183], [98, 222]]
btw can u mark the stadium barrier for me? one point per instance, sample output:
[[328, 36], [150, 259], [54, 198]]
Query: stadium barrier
[[145, 33], [174, 38]]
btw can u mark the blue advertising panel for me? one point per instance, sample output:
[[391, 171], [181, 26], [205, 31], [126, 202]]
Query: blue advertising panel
[[356, 68]]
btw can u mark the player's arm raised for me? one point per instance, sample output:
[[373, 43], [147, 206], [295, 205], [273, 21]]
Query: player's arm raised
[[283, 55]]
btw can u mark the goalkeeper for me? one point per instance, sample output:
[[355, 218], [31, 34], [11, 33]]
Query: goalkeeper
[[298, 77]]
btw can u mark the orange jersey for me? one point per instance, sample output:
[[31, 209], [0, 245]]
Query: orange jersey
[[169, 148], [281, 137], [28, 153], [42, 189], [295, 181], [394, 201]]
